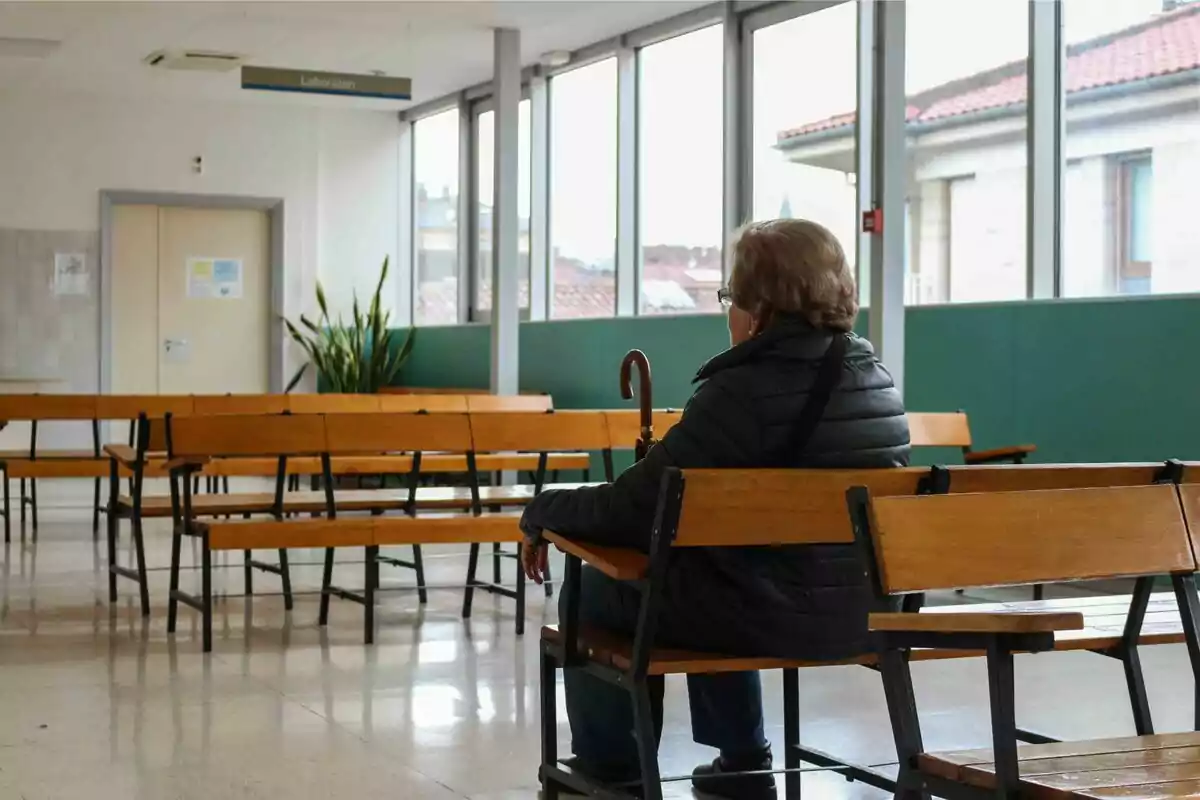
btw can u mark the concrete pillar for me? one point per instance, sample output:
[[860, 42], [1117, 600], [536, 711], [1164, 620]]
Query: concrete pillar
[[505, 230]]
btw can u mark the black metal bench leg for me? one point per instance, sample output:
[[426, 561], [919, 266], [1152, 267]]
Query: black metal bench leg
[[1039, 591], [419, 566], [140, 551], [111, 531], [96, 511], [647, 741], [248, 573], [7, 508], [520, 598], [206, 590], [496, 577], [326, 583], [23, 501], [285, 574], [469, 592], [372, 580], [1143, 723], [791, 733], [549, 697], [33, 505], [172, 601]]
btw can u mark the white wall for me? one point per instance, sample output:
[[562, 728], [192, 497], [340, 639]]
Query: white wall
[[337, 172]]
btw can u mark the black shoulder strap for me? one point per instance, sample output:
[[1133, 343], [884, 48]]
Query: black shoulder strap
[[828, 375]]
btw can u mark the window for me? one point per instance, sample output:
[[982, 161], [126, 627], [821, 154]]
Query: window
[[435, 169], [1132, 149], [805, 77], [681, 176], [485, 131], [1134, 186], [583, 191], [966, 150]]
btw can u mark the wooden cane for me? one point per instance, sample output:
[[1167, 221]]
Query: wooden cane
[[645, 397]]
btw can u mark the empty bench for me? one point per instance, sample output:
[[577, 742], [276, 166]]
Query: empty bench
[[1014, 538]]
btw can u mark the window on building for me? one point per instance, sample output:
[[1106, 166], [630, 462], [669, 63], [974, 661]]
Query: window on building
[[435, 210], [681, 176], [966, 150], [1135, 178], [805, 75], [583, 191], [1131, 148], [485, 135]]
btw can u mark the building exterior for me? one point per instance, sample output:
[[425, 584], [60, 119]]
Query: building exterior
[[1131, 177]]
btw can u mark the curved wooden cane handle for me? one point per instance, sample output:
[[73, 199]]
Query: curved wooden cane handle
[[645, 396]]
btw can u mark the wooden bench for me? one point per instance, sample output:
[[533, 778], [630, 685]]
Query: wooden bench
[[821, 499], [953, 430], [697, 508], [1013, 538], [369, 533], [194, 441]]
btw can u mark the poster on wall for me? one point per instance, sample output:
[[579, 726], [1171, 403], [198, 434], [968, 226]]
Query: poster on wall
[[219, 278], [70, 274]]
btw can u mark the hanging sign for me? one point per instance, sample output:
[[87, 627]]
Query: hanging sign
[[309, 81]]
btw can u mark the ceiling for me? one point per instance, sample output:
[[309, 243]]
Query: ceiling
[[443, 46]]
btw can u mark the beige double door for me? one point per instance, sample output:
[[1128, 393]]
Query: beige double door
[[191, 300]]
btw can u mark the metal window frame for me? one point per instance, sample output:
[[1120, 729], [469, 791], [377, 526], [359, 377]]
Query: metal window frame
[[1045, 166], [741, 19]]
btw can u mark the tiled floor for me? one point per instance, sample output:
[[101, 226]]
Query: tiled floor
[[96, 704]]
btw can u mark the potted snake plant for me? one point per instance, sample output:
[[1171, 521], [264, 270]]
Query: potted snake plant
[[357, 358]]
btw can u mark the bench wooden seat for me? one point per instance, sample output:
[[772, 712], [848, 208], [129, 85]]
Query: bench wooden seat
[[1104, 619], [23, 455], [617, 651], [1144, 767], [313, 502], [392, 464]]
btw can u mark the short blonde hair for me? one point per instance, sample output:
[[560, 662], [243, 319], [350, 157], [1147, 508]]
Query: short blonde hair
[[793, 266]]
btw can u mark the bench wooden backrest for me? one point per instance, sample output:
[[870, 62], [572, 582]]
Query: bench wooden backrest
[[434, 403], [539, 433], [129, 406], [221, 435], [333, 403], [1015, 538], [37, 407], [482, 403], [938, 429], [391, 433], [1026, 477], [777, 506], [625, 425], [1189, 495], [208, 404]]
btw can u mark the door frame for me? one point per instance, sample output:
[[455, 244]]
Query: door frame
[[274, 206]]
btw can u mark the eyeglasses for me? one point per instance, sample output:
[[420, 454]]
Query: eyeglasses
[[725, 297]]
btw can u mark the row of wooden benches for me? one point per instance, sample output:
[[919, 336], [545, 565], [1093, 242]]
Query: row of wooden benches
[[411, 444], [975, 527]]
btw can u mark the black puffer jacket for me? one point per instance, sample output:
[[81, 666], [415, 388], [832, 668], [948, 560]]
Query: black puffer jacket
[[805, 601]]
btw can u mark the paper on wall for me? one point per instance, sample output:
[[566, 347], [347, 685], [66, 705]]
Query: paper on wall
[[219, 278], [70, 274]]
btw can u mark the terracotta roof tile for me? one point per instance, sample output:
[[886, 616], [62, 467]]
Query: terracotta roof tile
[[1165, 45]]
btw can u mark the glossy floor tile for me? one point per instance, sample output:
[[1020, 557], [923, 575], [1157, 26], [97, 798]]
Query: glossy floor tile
[[97, 703]]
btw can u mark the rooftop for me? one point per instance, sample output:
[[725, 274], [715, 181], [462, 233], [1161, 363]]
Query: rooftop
[[1168, 44]]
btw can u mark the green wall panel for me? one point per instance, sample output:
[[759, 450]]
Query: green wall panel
[[1084, 380]]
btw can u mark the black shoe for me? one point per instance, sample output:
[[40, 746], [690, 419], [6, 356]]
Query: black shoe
[[630, 782], [711, 779]]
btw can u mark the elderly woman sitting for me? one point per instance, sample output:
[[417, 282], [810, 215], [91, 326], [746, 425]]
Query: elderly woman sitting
[[791, 304]]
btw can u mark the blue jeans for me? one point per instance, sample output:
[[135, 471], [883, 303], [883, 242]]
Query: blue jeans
[[726, 708]]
